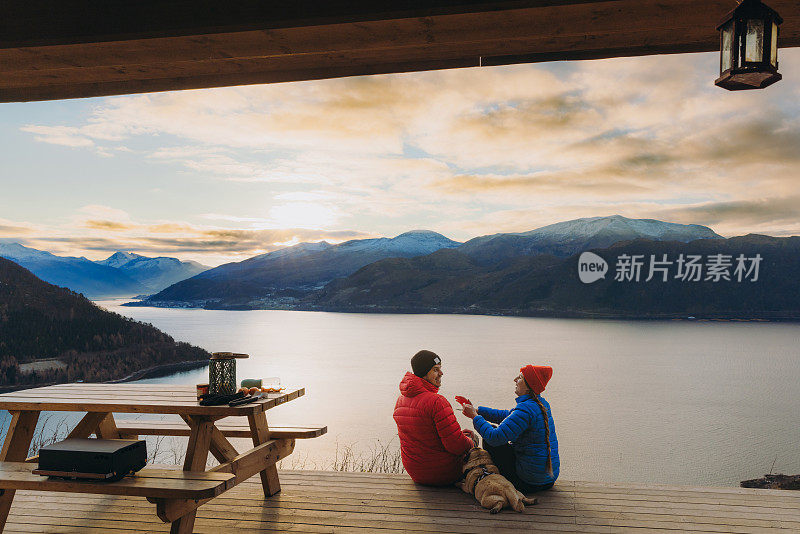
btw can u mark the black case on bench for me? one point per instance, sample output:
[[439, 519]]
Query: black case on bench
[[97, 459]]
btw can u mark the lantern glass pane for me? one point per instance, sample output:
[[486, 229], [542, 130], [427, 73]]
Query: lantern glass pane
[[754, 41], [774, 55], [726, 60], [222, 376]]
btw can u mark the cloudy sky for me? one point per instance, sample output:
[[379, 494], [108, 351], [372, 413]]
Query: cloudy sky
[[223, 174]]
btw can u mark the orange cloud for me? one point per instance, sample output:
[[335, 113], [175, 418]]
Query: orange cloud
[[13, 231], [112, 226]]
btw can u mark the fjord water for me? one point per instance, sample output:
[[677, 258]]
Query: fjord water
[[673, 402]]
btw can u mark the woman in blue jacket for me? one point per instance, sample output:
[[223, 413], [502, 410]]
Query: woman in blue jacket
[[523, 445]]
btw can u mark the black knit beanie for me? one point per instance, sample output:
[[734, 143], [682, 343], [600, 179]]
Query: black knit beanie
[[423, 362]]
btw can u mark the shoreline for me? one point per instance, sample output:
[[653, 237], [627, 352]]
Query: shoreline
[[549, 314], [160, 370], [150, 372]]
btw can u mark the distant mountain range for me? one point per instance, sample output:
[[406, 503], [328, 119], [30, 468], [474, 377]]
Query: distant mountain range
[[545, 285], [529, 273], [122, 274], [294, 271], [49, 334], [287, 277]]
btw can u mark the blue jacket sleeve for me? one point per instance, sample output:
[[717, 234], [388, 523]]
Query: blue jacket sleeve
[[492, 415], [509, 430]]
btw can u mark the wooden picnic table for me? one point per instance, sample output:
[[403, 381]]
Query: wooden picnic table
[[171, 492]]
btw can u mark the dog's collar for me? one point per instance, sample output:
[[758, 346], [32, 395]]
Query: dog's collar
[[483, 475]]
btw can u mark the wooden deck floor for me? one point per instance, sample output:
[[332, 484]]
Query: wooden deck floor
[[323, 501]]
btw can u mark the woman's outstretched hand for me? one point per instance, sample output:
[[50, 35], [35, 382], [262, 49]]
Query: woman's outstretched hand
[[469, 411]]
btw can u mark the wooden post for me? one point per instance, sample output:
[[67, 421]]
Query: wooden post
[[88, 425], [260, 431], [219, 446], [196, 458], [15, 449], [107, 428]]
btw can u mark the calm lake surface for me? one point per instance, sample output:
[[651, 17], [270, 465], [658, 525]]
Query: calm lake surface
[[701, 403]]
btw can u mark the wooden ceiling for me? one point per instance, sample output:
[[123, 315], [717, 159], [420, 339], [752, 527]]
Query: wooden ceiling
[[79, 48]]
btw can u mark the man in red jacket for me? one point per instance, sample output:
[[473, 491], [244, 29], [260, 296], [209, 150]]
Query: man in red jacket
[[431, 440]]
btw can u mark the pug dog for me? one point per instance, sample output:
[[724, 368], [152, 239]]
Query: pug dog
[[492, 490]]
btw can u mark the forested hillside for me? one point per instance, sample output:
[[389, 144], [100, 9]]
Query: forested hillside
[[42, 321]]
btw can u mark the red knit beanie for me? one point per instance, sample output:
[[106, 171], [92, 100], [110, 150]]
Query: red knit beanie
[[537, 376]]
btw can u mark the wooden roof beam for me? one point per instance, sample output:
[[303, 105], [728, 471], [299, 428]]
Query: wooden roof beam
[[292, 50]]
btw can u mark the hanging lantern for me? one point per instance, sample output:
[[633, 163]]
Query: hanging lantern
[[749, 57]]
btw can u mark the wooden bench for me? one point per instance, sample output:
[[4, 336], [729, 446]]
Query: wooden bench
[[177, 494], [148, 482], [131, 429]]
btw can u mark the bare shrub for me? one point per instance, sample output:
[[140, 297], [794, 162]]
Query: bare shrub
[[380, 458], [51, 428]]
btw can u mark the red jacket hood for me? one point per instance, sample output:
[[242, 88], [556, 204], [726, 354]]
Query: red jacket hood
[[411, 385]]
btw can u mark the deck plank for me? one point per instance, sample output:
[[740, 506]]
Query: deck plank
[[555, 507], [332, 502]]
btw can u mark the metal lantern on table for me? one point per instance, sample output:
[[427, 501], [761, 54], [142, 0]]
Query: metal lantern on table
[[749, 49], [222, 372]]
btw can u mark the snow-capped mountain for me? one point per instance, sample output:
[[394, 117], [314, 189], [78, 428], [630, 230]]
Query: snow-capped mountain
[[408, 244], [569, 237], [154, 274], [617, 225], [301, 267], [122, 274], [118, 259], [17, 253], [78, 274]]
